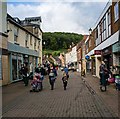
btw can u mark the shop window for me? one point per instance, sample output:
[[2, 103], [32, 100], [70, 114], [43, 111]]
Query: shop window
[[19, 66], [14, 67]]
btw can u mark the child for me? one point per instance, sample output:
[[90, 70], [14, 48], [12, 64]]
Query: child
[[65, 80]]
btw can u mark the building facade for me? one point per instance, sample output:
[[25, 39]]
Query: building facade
[[23, 47], [3, 43], [81, 54], [106, 37], [21, 42]]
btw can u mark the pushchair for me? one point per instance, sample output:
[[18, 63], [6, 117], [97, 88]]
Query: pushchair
[[117, 81], [36, 83]]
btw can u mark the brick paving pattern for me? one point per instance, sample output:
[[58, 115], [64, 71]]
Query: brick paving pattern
[[77, 101]]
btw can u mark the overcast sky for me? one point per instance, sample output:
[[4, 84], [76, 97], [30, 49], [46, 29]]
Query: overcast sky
[[62, 16]]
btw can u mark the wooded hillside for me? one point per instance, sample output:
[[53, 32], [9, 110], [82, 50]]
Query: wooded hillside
[[59, 41]]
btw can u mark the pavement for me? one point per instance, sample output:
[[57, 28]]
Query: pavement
[[81, 99], [111, 96]]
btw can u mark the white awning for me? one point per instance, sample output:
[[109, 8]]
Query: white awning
[[110, 41]]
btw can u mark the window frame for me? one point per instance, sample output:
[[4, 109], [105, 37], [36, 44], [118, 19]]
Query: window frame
[[116, 11]]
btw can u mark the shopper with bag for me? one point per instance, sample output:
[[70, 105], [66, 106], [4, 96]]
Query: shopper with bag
[[104, 75]]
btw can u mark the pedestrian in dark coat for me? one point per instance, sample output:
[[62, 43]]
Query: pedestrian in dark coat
[[42, 72], [52, 78], [24, 71], [104, 75]]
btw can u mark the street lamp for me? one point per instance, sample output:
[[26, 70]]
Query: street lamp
[[90, 30], [44, 42]]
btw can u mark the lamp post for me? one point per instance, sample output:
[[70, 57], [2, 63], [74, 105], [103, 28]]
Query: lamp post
[[44, 44], [90, 30]]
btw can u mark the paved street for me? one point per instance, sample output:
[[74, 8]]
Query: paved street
[[77, 101]]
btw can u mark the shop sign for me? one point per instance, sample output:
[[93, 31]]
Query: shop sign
[[97, 52], [87, 57]]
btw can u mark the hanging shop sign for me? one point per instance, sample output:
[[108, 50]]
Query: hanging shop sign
[[87, 57]]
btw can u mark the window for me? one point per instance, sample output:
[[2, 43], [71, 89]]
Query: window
[[35, 44], [15, 34], [101, 29], [109, 23], [116, 14], [30, 39], [96, 35], [26, 40], [38, 44], [90, 43], [104, 28]]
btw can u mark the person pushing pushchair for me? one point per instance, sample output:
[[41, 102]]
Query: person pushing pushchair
[[35, 83]]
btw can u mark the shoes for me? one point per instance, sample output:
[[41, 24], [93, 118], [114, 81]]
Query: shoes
[[31, 90]]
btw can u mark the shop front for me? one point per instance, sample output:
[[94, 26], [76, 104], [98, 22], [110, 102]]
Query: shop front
[[93, 65], [116, 56], [107, 56], [16, 61], [88, 63]]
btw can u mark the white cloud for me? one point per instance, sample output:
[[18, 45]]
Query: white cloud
[[62, 16]]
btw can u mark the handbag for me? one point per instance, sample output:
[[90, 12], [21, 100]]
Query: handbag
[[111, 80]]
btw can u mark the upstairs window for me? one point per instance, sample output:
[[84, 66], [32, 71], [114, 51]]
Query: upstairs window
[[26, 40], [16, 34], [38, 44], [35, 41], [116, 12], [96, 33], [109, 23], [30, 39]]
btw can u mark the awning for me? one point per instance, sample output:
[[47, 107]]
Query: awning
[[110, 41]]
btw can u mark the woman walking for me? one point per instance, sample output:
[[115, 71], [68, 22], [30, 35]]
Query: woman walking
[[52, 78], [104, 75]]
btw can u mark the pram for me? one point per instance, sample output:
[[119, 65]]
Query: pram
[[117, 81], [36, 83]]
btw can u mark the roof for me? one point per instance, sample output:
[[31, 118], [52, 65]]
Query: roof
[[33, 19], [12, 20]]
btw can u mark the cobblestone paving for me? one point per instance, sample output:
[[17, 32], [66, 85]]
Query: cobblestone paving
[[76, 101]]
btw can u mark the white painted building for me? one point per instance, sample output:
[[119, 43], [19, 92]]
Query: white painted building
[[71, 57]]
